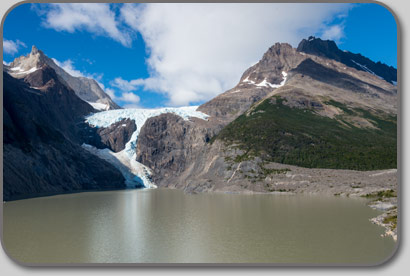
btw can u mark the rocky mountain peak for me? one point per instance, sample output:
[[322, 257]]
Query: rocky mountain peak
[[277, 49], [34, 50], [319, 47], [329, 49], [85, 88], [279, 59]]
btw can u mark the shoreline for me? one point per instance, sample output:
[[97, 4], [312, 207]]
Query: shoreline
[[380, 191]]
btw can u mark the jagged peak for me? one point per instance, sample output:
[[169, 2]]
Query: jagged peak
[[34, 50], [279, 46], [317, 43]]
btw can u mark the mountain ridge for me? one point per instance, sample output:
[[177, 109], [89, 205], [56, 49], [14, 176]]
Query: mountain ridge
[[353, 103], [42, 151], [329, 49], [87, 89]]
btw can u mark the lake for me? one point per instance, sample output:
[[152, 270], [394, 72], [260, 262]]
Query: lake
[[169, 226]]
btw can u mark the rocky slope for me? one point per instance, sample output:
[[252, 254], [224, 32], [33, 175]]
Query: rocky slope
[[329, 49], [113, 137], [113, 122], [42, 151], [255, 84], [303, 120], [85, 88], [171, 144], [291, 107]]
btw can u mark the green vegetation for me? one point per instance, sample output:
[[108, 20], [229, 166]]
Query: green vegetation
[[382, 194], [391, 220], [267, 172], [301, 137]]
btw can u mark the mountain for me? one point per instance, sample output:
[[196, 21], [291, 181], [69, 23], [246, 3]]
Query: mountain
[[43, 126], [85, 88], [329, 49], [292, 111], [255, 84], [293, 117]]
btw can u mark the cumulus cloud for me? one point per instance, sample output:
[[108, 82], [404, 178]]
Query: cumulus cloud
[[68, 66], [130, 97], [127, 99], [335, 32], [12, 47], [197, 51], [98, 19], [125, 85]]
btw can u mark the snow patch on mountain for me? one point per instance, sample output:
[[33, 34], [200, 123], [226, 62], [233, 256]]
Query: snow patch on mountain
[[248, 80], [19, 71], [265, 83], [99, 106], [364, 67], [127, 157]]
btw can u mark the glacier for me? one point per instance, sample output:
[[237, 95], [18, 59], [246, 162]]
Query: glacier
[[134, 172]]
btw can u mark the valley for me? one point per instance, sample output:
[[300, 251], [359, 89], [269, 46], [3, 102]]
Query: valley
[[302, 120]]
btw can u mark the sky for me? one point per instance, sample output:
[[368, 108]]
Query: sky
[[155, 55]]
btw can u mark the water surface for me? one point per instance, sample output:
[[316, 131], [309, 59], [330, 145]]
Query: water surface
[[151, 226]]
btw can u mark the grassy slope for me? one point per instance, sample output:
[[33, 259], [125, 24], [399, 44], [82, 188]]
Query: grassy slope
[[278, 133]]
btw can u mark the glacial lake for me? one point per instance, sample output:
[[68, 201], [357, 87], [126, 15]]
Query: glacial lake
[[169, 226]]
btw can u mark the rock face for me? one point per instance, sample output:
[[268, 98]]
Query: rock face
[[85, 88], [169, 144], [255, 84], [314, 91], [117, 135], [113, 137], [329, 49], [42, 153]]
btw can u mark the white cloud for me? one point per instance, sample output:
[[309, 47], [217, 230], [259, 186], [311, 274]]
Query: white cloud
[[125, 85], [130, 97], [197, 51], [69, 68], [12, 47], [335, 32], [98, 19]]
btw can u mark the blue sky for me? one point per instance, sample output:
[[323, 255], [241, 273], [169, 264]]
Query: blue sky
[[184, 54]]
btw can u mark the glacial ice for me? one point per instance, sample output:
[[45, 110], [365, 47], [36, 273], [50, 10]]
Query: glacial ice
[[127, 157]]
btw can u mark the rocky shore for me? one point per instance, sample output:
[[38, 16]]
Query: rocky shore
[[379, 187]]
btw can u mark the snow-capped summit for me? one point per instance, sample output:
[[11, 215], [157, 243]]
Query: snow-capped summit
[[85, 88]]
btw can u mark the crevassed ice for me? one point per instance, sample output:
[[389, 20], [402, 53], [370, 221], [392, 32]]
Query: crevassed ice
[[109, 117]]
